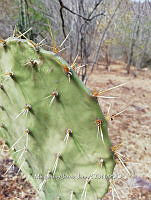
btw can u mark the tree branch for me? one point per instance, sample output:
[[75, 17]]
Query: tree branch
[[77, 14], [62, 19], [104, 33]]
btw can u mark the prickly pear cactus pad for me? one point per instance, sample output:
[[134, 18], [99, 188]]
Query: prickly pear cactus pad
[[53, 126]]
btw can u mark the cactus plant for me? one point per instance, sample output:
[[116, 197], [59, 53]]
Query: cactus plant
[[52, 124]]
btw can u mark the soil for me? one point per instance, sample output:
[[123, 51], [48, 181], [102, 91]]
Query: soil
[[131, 129]]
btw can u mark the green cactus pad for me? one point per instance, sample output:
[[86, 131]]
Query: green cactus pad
[[53, 126]]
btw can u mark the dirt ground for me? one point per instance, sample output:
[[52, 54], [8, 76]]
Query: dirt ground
[[131, 129]]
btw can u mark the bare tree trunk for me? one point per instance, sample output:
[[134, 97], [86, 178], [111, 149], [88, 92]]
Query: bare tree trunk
[[107, 59], [134, 39], [130, 57], [125, 55], [103, 36]]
